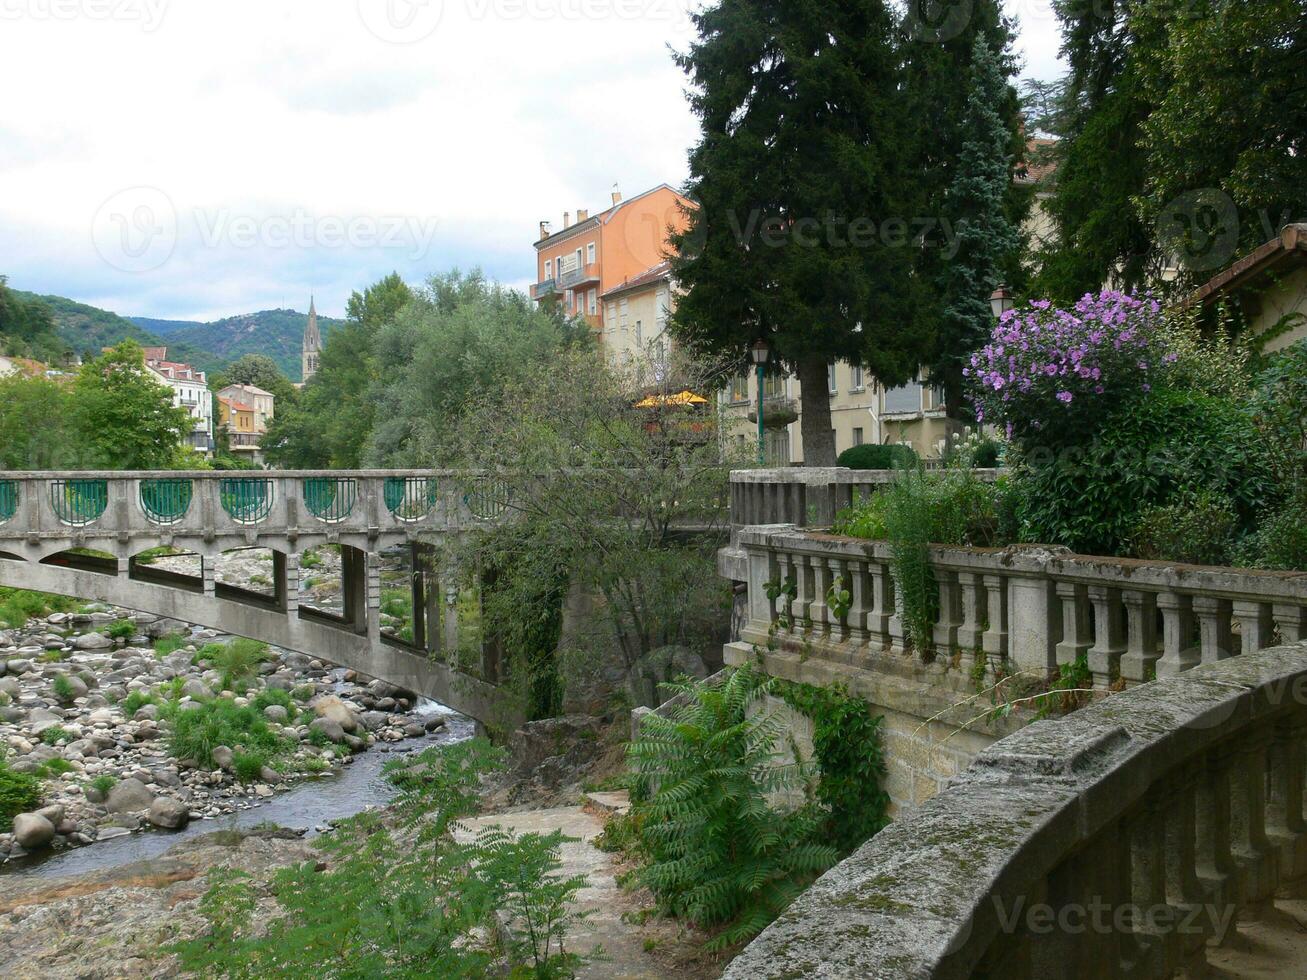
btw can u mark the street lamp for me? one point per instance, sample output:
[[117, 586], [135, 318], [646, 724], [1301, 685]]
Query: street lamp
[[760, 352], [1000, 301]]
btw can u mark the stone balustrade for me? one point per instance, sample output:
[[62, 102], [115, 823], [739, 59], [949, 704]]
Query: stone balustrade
[[212, 506], [1118, 841], [1028, 609]]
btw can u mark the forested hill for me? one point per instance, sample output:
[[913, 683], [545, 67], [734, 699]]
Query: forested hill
[[88, 329], [279, 334]]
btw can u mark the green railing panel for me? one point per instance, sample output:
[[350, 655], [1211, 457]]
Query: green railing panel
[[246, 499], [488, 498], [330, 499], [166, 501], [8, 499], [410, 498], [79, 502]]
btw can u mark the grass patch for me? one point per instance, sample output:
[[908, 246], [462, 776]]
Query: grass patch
[[121, 629], [273, 695], [55, 734], [248, 766], [103, 784], [171, 643], [17, 606], [135, 701], [310, 559], [20, 792], [196, 732], [56, 767], [63, 688]]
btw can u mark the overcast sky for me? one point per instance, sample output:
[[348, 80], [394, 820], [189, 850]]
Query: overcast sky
[[194, 159]]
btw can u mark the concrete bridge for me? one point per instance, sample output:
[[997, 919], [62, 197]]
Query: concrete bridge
[[84, 534]]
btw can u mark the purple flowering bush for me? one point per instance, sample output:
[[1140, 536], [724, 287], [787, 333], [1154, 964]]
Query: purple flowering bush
[[1050, 375]]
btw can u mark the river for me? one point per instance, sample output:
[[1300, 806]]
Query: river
[[308, 804]]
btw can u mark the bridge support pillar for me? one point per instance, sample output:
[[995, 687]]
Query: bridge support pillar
[[286, 573], [354, 588], [451, 615], [209, 574], [372, 611], [426, 597]]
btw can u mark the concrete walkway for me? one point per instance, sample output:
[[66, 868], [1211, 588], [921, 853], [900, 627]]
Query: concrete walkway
[[1272, 946], [625, 955]]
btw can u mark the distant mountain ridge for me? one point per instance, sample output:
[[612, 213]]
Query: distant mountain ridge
[[279, 334]]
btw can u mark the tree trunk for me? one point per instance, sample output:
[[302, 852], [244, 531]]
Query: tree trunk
[[814, 414]]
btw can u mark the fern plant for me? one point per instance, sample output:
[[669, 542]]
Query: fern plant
[[720, 852]]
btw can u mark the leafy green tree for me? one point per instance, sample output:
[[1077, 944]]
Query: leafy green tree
[[36, 425], [27, 327], [123, 417], [800, 157], [1229, 111], [331, 424], [460, 336], [987, 241]]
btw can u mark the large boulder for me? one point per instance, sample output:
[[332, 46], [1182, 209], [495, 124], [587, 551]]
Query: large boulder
[[32, 831], [331, 729], [129, 796], [197, 690], [169, 813], [276, 713], [334, 709], [76, 687], [92, 641], [223, 757], [39, 719]]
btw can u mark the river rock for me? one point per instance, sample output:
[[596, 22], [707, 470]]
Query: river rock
[[169, 813], [329, 728], [128, 796], [31, 830], [434, 723], [109, 833], [10, 686], [94, 794], [334, 709], [39, 719], [197, 690], [275, 712], [76, 685], [222, 757], [92, 641], [54, 813]]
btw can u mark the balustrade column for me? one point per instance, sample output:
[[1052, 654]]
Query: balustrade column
[[994, 642], [839, 580], [950, 611], [803, 596], [1148, 890], [1183, 889], [785, 574], [1215, 636], [1034, 622], [1253, 852], [898, 634], [1255, 626], [1075, 641], [882, 604], [1216, 866], [1291, 621], [1285, 823], [1141, 656], [762, 567], [1178, 652], [971, 631], [818, 611], [1109, 635], [860, 596]]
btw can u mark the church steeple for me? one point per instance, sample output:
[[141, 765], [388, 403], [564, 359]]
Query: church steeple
[[312, 344]]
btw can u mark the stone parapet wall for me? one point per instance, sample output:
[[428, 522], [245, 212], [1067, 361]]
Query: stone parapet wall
[[1117, 841]]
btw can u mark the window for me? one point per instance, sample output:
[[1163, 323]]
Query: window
[[903, 400], [830, 375], [835, 440], [578, 258], [590, 254], [857, 437], [611, 315], [567, 301], [740, 388], [639, 339], [626, 312], [593, 303], [857, 379], [549, 268]]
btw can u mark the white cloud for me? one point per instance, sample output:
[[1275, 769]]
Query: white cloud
[[269, 113]]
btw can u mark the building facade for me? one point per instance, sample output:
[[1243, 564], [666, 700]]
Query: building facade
[[261, 403], [238, 424], [578, 265], [1268, 288], [311, 352], [190, 390], [635, 316]]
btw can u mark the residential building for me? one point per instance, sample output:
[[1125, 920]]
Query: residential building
[[262, 403], [311, 351], [1268, 288], [238, 421], [635, 318], [190, 390], [586, 259], [862, 411]]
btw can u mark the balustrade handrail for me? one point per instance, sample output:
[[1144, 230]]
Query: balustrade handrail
[[1178, 803]]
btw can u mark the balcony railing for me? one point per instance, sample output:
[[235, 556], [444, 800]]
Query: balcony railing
[[580, 276], [542, 289]]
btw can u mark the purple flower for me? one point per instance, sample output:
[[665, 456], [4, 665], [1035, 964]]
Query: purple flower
[[1065, 397]]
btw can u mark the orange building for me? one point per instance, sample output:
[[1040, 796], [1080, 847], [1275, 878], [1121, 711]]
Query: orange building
[[595, 254]]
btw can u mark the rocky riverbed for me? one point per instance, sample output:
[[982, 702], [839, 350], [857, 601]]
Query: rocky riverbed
[[85, 712]]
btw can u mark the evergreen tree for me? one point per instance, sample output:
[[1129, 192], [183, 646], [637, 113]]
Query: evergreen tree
[[797, 176], [986, 240]]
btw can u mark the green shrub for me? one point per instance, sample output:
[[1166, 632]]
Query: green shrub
[[248, 766], [1165, 448], [135, 701], [874, 457], [121, 629], [19, 793], [171, 643], [274, 695], [1280, 541], [56, 767], [310, 559], [1198, 530], [103, 784], [17, 606], [303, 692], [196, 732], [238, 662], [318, 738], [719, 852], [63, 688], [55, 734]]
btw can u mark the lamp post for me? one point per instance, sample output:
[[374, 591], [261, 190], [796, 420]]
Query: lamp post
[[1000, 301], [760, 352]]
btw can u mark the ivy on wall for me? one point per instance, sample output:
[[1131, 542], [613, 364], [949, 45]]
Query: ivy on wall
[[847, 745]]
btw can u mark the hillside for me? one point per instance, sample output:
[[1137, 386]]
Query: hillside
[[277, 333], [87, 329], [161, 328]]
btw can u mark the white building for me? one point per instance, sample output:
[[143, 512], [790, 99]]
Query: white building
[[190, 390]]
